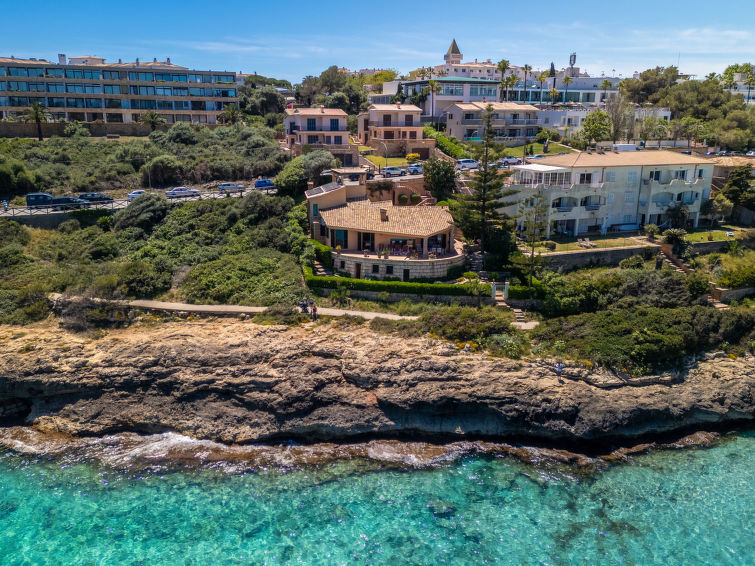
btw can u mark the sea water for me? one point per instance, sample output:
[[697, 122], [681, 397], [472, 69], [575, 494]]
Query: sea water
[[685, 507]]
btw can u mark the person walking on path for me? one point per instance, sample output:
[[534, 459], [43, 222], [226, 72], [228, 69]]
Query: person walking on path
[[314, 312]]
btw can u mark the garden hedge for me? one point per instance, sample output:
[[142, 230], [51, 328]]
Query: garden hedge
[[322, 253]]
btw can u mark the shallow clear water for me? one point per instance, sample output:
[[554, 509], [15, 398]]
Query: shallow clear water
[[670, 507]]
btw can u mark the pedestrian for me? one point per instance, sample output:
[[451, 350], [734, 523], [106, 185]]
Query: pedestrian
[[5, 205], [314, 312]]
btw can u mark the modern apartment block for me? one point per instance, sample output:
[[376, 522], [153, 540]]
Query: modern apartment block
[[450, 90], [394, 129], [320, 128], [90, 89], [512, 122], [601, 191]]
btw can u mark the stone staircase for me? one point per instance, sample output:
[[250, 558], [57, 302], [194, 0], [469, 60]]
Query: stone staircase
[[320, 270], [474, 261], [675, 263], [716, 304]]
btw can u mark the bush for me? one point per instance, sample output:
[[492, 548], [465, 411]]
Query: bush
[[415, 198], [142, 278], [281, 314], [448, 145], [403, 200], [12, 232], [412, 288], [144, 212], [550, 245], [69, 226], [412, 157], [322, 253], [470, 275], [513, 345], [634, 262]]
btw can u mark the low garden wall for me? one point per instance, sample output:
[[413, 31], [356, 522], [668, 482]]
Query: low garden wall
[[418, 269], [396, 297], [728, 295], [601, 256]]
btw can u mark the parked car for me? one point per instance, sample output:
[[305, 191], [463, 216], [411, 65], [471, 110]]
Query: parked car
[[510, 160], [137, 193], [393, 172], [230, 188], [467, 164], [537, 156], [750, 153], [38, 200], [264, 185], [96, 197], [415, 169], [182, 192], [67, 203]]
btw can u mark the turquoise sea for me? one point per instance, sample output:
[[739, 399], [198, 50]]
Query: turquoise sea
[[685, 507]]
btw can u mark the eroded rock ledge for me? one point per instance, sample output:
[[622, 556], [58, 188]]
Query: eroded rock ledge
[[238, 382]]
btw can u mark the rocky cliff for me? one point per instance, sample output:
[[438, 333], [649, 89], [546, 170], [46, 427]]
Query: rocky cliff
[[239, 382]]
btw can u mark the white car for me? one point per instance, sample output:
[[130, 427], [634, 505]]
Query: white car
[[510, 160], [133, 194], [750, 153], [181, 192], [467, 164]]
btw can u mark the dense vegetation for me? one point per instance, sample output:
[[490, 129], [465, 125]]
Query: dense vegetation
[[209, 251], [183, 154]]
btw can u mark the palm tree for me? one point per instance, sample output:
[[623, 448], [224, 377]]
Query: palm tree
[[433, 88], [541, 78], [230, 115], [36, 113], [503, 66], [526, 70], [152, 119], [750, 81], [554, 95], [511, 81], [567, 81], [605, 85]]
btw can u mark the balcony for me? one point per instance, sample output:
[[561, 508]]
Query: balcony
[[501, 122], [294, 130], [381, 124], [592, 207], [563, 208], [527, 122]]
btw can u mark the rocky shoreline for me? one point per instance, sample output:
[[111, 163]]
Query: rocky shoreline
[[236, 382]]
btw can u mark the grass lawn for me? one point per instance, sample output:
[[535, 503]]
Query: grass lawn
[[718, 235], [390, 162], [608, 241], [365, 148], [518, 151]]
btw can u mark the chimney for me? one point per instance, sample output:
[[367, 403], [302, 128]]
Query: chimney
[[322, 109], [61, 58], [383, 215], [120, 61]]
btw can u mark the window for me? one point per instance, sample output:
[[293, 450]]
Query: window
[[114, 117], [178, 78], [197, 105], [655, 176], [376, 268], [628, 196], [700, 174], [55, 73], [38, 72], [223, 78], [311, 124], [162, 76], [17, 72], [468, 116], [75, 102], [142, 90], [94, 103], [610, 176], [334, 125], [197, 92], [627, 218], [164, 91], [632, 177], [181, 105], [113, 103], [389, 270], [610, 198], [343, 264], [145, 77], [482, 91], [74, 74], [682, 174], [165, 105], [143, 104], [585, 178], [180, 91], [315, 209], [37, 87], [112, 89], [18, 101], [18, 86], [93, 89], [2, 71], [56, 102], [323, 230], [95, 75], [451, 90], [74, 88], [311, 139], [111, 76], [338, 140], [223, 93]]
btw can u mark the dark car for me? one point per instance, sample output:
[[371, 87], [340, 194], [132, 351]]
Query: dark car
[[67, 203], [36, 200], [96, 197], [264, 184]]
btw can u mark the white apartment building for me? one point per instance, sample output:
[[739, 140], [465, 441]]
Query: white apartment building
[[567, 120], [394, 129], [600, 192], [450, 90], [512, 122], [320, 128], [740, 87], [581, 90]]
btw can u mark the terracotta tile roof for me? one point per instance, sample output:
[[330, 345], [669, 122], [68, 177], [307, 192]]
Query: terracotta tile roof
[[409, 221], [315, 112], [24, 61], [734, 161], [622, 158], [389, 107], [476, 106]]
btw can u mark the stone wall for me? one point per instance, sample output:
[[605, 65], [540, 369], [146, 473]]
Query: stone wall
[[728, 295], [396, 297], [431, 269], [603, 256]]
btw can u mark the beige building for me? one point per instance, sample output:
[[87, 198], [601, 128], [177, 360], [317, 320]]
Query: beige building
[[394, 129], [89, 89], [320, 128], [513, 123], [613, 191], [374, 238]]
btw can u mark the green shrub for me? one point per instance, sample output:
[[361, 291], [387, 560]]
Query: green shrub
[[471, 275], [144, 212], [634, 262], [287, 315], [12, 232], [142, 278], [69, 226], [415, 198], [448, 145], [403, 200], [322, 253], [412, 288], [513, 345], [455, 272]]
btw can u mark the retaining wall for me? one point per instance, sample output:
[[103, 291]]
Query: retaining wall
[[727, 295], [602, 256], [431, 269]]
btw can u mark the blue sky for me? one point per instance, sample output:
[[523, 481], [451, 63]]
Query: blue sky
[[292, 39]]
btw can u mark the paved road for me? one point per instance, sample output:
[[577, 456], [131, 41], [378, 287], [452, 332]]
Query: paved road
[[116, 204], [238, 309]]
